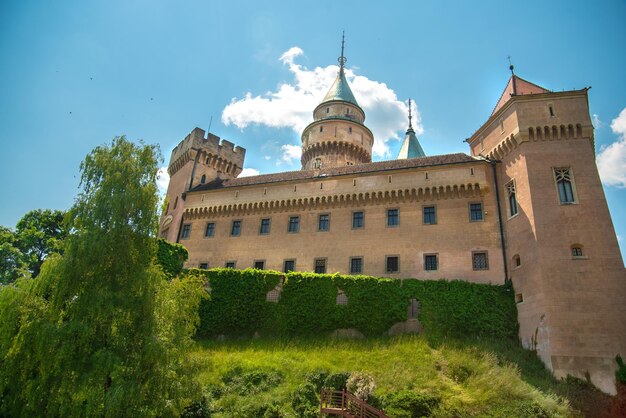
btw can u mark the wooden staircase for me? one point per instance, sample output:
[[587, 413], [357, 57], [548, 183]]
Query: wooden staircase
[[342, 403]]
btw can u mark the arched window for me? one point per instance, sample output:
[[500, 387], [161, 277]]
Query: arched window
[[203, 179], [563, 177], [317, 163], [512, 195]]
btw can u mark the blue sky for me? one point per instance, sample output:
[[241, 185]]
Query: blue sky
[[74, 74]]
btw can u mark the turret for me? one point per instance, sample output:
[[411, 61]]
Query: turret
[[196, 160], [337, 135]]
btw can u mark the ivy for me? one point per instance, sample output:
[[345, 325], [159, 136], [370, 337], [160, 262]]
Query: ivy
[[307, 305], [171, 257]]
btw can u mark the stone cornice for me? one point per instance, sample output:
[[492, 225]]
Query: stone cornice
[[380, 197]]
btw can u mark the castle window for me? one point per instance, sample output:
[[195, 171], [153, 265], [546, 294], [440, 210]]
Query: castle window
[[471, 171], [204, 266], [577, 251], [264, 229], [476, 212], [235, 230], [517, 261], [321, 128], [327, 109], [431, 262], [563, 177], [350, 130], [480, 260], [203, 179], [512, 196], [175, 202], [342, 298], [294, 224], [354, 182], [186, 231], [519, 298], [324, 222], [393, 217], [392, 264], [209, 230], [426, 173], [430, 215], [320, 265], [551, 109], [230, 264], [317, 163], [356, 265], [259, 264], [289, 265], [358, 220]]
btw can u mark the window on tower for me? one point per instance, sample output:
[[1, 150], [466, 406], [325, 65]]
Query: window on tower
[[564, 185]]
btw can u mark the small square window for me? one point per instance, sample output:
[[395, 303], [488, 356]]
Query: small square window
[[185, 232], [476, 212], [289, 265], [430, 215], [210, 230], [393, 217], [356, 265], [264, 229], [294, 224], [235, 231], [259, 264], [324, 222], [358, 220], [480, 261], [577, 252], [204, 266], [392, 264], [320, 265], [230, 265], [431, 262]]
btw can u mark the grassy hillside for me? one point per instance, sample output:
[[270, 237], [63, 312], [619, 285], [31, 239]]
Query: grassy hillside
[[249, 378]]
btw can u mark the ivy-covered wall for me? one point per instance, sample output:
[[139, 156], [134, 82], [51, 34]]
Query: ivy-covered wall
[[308, 305]]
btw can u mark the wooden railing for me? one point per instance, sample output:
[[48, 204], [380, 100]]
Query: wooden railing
[[345, 404]]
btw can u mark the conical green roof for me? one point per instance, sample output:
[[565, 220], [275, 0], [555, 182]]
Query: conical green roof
[[411, 147], [340, 90]]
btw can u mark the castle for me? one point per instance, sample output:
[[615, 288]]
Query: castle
[[526, 205]]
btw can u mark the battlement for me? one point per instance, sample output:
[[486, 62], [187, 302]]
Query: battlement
[[211, 145]]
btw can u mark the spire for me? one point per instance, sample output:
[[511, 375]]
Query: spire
[[511, 67], [340, 90], [410, 117], [342, 60], [411, 147]]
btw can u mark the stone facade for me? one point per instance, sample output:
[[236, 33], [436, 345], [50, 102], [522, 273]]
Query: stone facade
[[527, 205]]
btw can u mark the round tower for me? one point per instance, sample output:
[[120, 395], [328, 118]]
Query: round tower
[[337, 135]]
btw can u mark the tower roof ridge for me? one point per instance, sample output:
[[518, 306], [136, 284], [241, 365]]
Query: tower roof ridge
[[517, 86]]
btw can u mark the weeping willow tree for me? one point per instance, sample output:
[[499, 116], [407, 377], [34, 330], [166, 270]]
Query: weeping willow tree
[[100, 331]]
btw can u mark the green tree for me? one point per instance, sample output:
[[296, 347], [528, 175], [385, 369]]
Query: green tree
[[101, 332], [40, 233], [11, 258]]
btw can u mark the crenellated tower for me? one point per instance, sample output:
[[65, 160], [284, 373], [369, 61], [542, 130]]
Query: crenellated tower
[[337, 135], [196, 160]]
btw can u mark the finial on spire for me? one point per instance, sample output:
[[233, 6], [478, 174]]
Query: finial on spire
[[410, 116], [342, 60], [511, 67]]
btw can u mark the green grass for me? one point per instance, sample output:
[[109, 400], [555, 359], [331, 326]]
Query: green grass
[[467, 376]]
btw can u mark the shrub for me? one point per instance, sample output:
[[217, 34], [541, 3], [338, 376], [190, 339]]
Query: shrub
[[337, 381], [304, 401], [410, 404], [317, 378], [245, 383], [361, 385]]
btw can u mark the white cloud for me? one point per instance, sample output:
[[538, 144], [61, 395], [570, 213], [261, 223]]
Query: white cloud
[[248, 172], [292, 104], [611, 159], [291, 152], [163, 180]]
